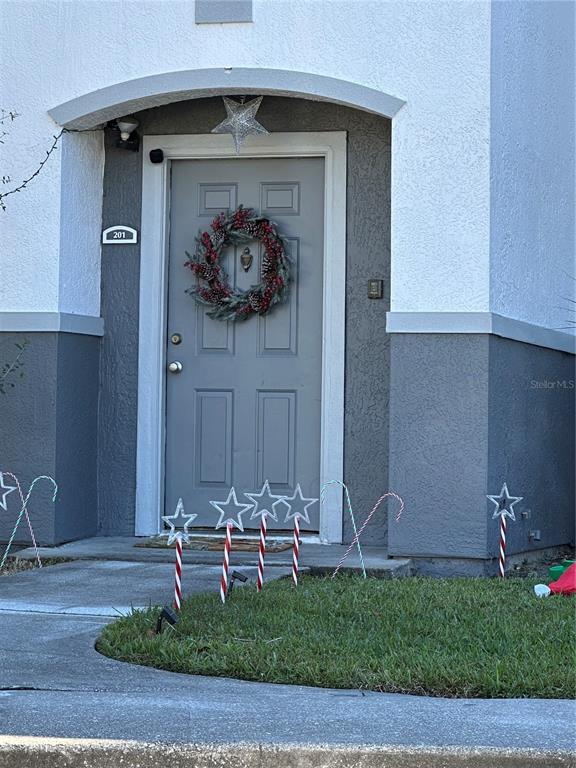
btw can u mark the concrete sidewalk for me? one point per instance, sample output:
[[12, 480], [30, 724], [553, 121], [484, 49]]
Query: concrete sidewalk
[[53, 684], [110, 588]]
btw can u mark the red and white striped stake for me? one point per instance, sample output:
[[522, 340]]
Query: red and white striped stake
[[365, 523], [226, 563], [261, 551], [502, 558], [296, 551], [178, 574]]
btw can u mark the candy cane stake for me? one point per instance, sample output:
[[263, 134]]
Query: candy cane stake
[[350, 512], [178, 573], [365, 523], [261, 552], [502, 558], [23, 510], [296, 551], [226, 563], [34, 544]]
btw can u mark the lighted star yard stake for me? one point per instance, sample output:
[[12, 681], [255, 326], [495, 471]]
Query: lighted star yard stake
[[240, 120], [4, 491], [263, 506], [297, 508], [504, 504], [227, 508], [179, 523]]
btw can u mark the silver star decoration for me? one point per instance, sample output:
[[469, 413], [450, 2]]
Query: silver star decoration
[[296, 505], [179, 523], [240, 121], [232, 503], [264, 502], [4, 491], [504, 503]]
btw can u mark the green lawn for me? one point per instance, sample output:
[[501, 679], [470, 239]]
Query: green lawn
[[457, 637]]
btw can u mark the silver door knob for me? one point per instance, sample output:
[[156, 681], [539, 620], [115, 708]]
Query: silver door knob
[[175, 366]]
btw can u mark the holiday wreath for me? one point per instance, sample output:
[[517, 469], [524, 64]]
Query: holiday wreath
[[213, 287]]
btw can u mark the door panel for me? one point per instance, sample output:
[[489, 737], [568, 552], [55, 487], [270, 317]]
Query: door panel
[[246, 406]]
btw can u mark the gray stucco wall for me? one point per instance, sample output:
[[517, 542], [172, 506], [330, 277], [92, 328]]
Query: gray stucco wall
[[49, 427], [119, 356], [532, 426], [469, 413], [439, 439], [368, 256]]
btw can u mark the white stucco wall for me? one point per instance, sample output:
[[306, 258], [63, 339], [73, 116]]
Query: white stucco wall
[[434, 55], [532, 272]]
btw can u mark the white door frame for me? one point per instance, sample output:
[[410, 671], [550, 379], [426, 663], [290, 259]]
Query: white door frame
[[331, 145]]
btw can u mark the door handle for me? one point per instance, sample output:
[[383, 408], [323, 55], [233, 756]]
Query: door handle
[[175, 366]]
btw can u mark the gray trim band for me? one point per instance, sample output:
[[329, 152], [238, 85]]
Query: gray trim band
[[97, 107], [480, 322], [59, 322]]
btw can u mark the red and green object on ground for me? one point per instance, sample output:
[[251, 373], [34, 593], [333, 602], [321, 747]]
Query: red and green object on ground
[[555, 571], [566, 584]]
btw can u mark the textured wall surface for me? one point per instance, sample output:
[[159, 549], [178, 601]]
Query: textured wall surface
[[76, 436], [49, 427], [119, 359], [81, 216], [531, 447], [532, 272], [467, 414], [368, 255], [438, 441], [435, 56], [28, 430]]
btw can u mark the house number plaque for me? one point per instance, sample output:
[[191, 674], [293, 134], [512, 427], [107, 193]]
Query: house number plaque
[[119, 235]]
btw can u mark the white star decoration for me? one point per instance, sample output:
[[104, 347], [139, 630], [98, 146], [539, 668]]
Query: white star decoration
[[504, 503], [4, 491], [263, 502], [240, 121], [296, 505], [179, 520], [232, 502]]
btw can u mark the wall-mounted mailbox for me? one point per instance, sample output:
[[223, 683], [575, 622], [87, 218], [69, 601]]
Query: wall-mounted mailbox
[[119, 235]]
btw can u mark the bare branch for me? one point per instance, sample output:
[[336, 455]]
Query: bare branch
[[27, 181]]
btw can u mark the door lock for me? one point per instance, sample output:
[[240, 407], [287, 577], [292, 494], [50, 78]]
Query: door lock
[[175, 366]]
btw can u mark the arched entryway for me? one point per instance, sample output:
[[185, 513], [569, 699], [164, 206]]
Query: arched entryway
[[355, 423]]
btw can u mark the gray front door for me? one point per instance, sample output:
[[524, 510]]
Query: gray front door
[[246, 406]]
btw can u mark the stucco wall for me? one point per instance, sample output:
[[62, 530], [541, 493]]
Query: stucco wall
[[436, 56], [532, 272], [468, 413], [368, 256], [532, 433], [49, 428]]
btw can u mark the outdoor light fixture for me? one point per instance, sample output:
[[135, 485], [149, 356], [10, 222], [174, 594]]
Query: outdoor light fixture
[[236, 575], [170, 616], [129, 139]]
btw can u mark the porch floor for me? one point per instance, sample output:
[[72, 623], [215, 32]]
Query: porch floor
[[315, 557]]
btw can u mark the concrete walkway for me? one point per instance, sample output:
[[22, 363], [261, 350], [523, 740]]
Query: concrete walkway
[[317, 557], [54, 684]]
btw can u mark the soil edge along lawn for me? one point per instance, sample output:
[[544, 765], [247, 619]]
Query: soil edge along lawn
[[455, 637]]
